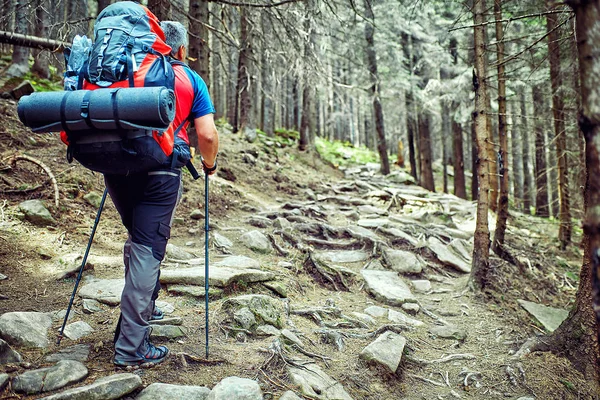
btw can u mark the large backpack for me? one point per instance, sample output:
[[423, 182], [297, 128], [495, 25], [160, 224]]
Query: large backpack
[[128, 50]]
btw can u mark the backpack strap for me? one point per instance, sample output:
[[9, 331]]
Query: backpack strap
[[175, 150], [129, 56], [63, 122]]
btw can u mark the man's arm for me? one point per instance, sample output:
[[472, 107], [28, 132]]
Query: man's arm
[[208, 139]]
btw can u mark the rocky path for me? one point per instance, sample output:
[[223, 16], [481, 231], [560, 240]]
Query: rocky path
[[355, 292]]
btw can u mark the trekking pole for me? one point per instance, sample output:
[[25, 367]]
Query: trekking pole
[[83, 262], [206, 286]]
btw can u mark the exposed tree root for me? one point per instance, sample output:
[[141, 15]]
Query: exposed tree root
[[277, 247], [327, 273], [43, 166]]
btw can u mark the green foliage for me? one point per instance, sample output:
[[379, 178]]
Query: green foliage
[[287, 133], [283, 137], [343, 153]]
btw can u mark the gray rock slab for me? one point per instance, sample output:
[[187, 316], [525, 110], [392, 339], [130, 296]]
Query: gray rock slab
[[244, 318], [316, 384], [342, 256], [364, 318], [166, 307], [36, 212], [448, 256], [448, 332], [161, 391], [397, 233], [91, 306], [257, 241], [277, 287], [403, 262], [289, 395], [221, 242], [167, 332], [7, 354], [387, 287], [372, 222], [411, 308], [93, 199], [107, 388], [549, 317], [177, 253], [421, 285], [291, 338], [376, 311], [239, 262], [78, 352], [218, 276], [401, 318], [193, 290], [27, 329], [107, 291], [386, 350], [64, 373], [3, 381], [167, 321], [360, 233], [77, 330], [267, 330], [282, 223], [234, 388], [3, 277], [266, 309], [366, 209]]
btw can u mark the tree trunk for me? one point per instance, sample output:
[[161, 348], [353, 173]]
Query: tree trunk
[[268, 117], [564, 233], [233, 55], [517, 158], [445, 134], [425, 155], [102, 4], [481, 246], [41, 61], [493, 178], [474, 157], [458, 161], [411, 113], [198, 47], [372, 65], [501, 220], [20, 56], [244, 71], [527, 178], [541, 178], [160, 8]]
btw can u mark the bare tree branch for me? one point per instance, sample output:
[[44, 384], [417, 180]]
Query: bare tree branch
[[32, 41]]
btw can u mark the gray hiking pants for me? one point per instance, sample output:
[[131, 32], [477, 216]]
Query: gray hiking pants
[[146, 204]]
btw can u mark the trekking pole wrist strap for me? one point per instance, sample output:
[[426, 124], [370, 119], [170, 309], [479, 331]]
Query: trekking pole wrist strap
[[206, 168]]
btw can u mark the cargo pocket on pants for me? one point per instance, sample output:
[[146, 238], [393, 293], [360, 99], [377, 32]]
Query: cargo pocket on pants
[[160, 244]]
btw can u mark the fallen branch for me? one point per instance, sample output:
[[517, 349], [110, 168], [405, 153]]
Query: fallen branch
[[436, 383], [42, 166], [449, 358]]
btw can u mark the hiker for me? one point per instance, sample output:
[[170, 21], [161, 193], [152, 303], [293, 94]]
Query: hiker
[[146, 203]]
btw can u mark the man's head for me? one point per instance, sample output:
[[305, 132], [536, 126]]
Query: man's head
[[176, 37]]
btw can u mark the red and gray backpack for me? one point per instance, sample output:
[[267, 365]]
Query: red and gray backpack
[[128, 50]]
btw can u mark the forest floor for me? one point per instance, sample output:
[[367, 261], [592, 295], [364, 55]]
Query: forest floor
[[254, 178]]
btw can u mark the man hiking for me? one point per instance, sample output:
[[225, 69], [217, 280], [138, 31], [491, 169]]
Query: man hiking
[[146, 203]]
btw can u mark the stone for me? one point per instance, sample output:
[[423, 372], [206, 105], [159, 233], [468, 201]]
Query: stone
[[367, 209], [376, 311], [36, 213], [3, 277], [289, 395], [257, 241], [359, 232], [64, 373], [178, 221], [401, 177], [244, 318], [25, 88], [177, 253], [291, 338], [167, 332], [411, 308], [3, 381], [282, 223], [343, 256], [276, 287], [197, 214], [234, 388], [364, 318], [398, 234], [93, 198], [403, 262], [27, 329], [219, 276], [7, 354], [447, 256], [387, 287], [106, 388], [107, 291], [267, 330], [240, 262], [285, 264], [221, 242], [68, 265], [195, 291], [316, 384], [59, 316], [250, 135], [77, 330], [549, 317], [372, 222], [260, 222], [386, 350], [421, 285], [400, 318], [448, 332], [91, 306], [266, 309], [160, 391], [167, 321], [78, 352], [166, 308]]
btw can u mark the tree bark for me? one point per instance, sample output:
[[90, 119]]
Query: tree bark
[[411, 113], [458, 161], [528, 187], [502, 217], [372, 65], [160, 8], [425, 154], [245, 71], [20, 56], [268, 117], [541, 175], [474, 158], [517, 157], [198, 47], [308, 90], [41, 61], [564, 233], [481, 246], [102, 4], [32, 41]]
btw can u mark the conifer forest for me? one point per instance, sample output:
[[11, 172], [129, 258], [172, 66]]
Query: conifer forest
[[490, 104]]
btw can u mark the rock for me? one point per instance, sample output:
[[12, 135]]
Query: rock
[[25, 88], [398, 234], [411, 308], [59, 316], [3, 277], [167, 321], [376, 311], [364, 318], [257, 241], [69, 265], [289, 395], [58, 376], [446, 255], [387, 287], [285, 264], [3, 381], [77, 330], [166, 308], [367, 209], [282, 223], [107, 291], [160, 391], [93, 198], [401, 177], [106, 388], [343, 256], [549, 317], [234, 388], [36, 213], [7, 354], [91, 306], [360, 233], [240, 262], [178, 221], [421, 285], [195, 291], [403, 262], [250, 135], [386, 350], [78, 352], [166, 332], [222, 242], [267, 330], [244, 318], [260, 222], [448, 332], [265, 308], [373, 222], [219, 276], [27, 329], [316, 384], [291, 338], [177, 253], [400, 318], [197, 214], [276, 287]]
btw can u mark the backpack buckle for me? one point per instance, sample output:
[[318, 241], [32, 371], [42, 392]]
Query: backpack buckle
[[85, 108]]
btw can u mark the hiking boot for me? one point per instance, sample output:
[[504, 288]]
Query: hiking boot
[[157, 314], [154, 355]]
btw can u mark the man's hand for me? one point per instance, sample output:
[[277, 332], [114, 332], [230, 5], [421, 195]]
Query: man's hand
[[209, 169]]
